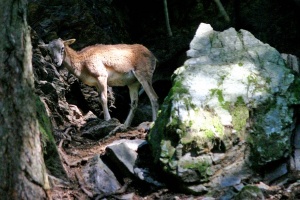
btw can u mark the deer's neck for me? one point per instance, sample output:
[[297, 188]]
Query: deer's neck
[[71, 61]]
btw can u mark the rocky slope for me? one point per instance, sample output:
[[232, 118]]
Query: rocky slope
[[74, 109]]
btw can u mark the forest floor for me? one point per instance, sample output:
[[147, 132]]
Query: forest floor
[[75, 153]]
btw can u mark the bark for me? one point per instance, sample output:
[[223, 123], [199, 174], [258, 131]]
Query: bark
[[22, 168], [222, 10]]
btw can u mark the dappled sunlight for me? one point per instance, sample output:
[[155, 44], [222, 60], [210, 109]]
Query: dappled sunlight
[[231, 92]]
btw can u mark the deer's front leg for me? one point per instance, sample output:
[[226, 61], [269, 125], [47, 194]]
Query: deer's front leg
[[102, 89]]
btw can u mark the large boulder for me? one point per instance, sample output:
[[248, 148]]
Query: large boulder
[[233, 90]]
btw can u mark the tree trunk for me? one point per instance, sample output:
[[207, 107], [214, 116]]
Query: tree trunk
[[22, 168], [222, 10], [167, 18]]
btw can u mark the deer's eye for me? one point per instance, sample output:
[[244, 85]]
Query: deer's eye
[[62, 49]]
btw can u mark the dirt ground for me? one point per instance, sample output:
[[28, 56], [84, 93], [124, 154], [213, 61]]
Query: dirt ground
[[76, 151]]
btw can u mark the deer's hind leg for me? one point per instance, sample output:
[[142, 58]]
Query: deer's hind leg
[[134, 97], [102, 89], [147, 85]]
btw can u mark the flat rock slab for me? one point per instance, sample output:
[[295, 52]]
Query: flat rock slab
[[131, 144], [123, 153], [99, 178]]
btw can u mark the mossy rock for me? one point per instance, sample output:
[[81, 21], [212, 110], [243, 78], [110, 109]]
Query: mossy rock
[[233, 88], [250, 192]]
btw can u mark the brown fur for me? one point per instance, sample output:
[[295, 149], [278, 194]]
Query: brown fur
[[121, 58], [110, 65]]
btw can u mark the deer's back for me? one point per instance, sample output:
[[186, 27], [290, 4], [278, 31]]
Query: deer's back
[[121, 57]]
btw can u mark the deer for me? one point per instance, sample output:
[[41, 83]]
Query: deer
[[105, 66]]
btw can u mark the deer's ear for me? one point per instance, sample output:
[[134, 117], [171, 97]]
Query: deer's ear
[[70, 41], [44, 46]]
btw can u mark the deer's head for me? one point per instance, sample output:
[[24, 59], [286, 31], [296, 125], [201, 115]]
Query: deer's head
[[56, 49]]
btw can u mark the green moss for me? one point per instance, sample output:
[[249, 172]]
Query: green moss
[[268, 80], [157, 133], [209, 134], [222, 78], [271, 132], [188, 103], [218, 126], [202, 132], [240, 101], [249, 192], [240, 64], [219, 94], [294, 92], [51, 156], [167, 150], [177, 91], [240, 115], [202, 166], [252, 79], [267, 149], [44, 122]]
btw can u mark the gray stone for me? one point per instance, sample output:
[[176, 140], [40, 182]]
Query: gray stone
[[250, 193], [97, 128], [239, 187], [99, 178], [230, 181], [292, 62], [131, 144], [217, 157], [296, 160], [208, 198], [297, 138], [129, 196], [144, 174], [228, 195], [186, 170], [233, 88], [197, 189], [123, 154], [276, 173]]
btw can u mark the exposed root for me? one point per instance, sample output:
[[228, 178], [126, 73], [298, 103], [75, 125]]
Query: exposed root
[[64, 158], [65, 134]]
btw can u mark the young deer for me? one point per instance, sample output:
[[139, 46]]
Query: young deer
[[109, 65]]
